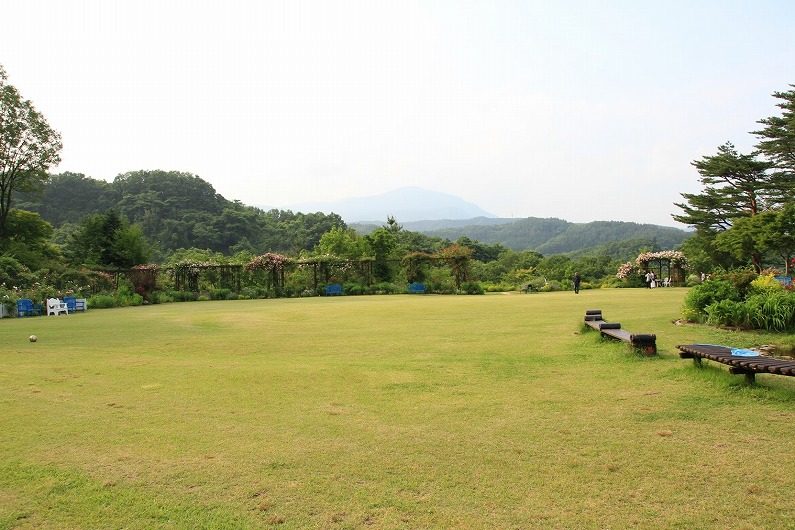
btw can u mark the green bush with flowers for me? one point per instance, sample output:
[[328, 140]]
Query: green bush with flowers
[[732, 299]]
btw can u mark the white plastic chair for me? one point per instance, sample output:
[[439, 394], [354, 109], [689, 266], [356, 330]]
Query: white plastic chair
[[56, 307]]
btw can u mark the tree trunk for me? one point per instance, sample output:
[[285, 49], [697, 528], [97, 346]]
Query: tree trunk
[[756, 259]]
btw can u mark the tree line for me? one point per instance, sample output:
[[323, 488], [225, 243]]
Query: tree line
[[50, 224]]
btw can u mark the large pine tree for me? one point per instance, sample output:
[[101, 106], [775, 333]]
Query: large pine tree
[[777, 142], [735, 185]]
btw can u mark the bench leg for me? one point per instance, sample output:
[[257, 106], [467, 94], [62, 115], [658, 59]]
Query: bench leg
[[750, 376]]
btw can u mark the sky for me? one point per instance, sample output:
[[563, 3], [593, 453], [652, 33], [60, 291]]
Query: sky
[[580, 110]]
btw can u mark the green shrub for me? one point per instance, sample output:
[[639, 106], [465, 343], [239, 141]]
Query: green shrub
[[691, 315], [8, 298], [740, 278], [500, 287], [438, 280], [707, 293], [219, 294], [183, 296], [81, 282], [161, 297], [692, 280], [727, 313], [101, 301], [550, 286], [14, 273], [385, 288], [129, 299], [354, 288], [537, 284], [471, 288], [252, 292], [611, 281]]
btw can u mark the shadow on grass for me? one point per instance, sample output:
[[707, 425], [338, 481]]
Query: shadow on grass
[[768, 387]]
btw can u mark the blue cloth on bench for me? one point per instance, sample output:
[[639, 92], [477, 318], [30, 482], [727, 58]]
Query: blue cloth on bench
[[742, 352]]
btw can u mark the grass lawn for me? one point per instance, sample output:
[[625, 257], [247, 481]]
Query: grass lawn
[[494, 411]]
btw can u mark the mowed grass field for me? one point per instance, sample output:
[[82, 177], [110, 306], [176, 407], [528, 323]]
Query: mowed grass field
[[494, 411]]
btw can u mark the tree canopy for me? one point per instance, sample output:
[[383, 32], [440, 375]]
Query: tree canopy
[[28, 147], [744, 207], [735, 185], [178, 210], [777, 140]]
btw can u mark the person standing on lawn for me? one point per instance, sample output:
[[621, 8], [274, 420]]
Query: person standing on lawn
[[577, 280]]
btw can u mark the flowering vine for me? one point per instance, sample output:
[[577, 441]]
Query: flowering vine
[[675, 257], [269, 261], [625, 270]]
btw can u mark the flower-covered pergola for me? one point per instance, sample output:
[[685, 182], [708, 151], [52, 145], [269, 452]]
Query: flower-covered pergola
[[327, 266], [143, 278], [274, 265], [665, 264], [456, 256]]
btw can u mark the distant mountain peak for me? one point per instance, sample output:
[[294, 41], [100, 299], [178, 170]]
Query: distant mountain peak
[[405, 204]]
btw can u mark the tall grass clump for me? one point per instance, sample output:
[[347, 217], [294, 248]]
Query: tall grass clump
[[728, 313], [772, 310]]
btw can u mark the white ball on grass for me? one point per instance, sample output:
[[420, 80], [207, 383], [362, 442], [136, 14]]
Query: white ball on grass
[[33, 338]]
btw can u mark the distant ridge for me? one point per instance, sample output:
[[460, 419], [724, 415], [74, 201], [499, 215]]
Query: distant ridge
[[548, 235], [405, 204]]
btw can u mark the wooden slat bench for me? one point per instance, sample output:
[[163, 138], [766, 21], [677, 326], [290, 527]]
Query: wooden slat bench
[[748, 366], [645, 342]]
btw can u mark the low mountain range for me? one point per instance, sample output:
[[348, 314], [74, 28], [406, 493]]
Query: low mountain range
[[449, 217], [550, 235], [179, 210]]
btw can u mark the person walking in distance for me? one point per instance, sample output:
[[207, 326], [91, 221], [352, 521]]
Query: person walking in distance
[[577, 280]]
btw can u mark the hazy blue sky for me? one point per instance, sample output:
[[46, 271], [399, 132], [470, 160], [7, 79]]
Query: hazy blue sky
[[578, 110]]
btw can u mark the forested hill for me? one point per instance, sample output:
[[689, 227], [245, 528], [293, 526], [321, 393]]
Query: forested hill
[[180, 210], [177, 210], [556, 236]]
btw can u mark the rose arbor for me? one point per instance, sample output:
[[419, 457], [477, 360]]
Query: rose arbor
[[665, 264]]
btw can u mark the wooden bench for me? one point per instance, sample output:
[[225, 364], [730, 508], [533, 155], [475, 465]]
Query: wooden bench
[[645, 342], [747, 366], [334, 289], [416, 288]]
